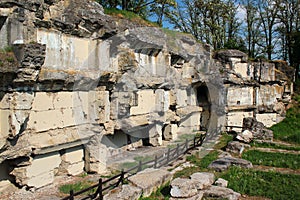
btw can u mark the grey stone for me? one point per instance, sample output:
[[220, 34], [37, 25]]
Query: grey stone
[[221, 182], [221, 192], [150, 179], [245, 136], [124, 192], [183, 188], [222, 164], [203, 179], [236, 147], [258, 129]]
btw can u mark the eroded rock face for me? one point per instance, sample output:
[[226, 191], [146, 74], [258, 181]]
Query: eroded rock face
[[258, 129], [224, 163], [80, 79]]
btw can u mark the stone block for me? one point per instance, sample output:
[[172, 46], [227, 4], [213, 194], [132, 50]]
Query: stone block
[[155, 135], [268, 119], [75, 168], [150, 179], [43, 164], [73, 155], [181, 98], [237, 96], [183, 188], [43, 101], [236, 118], [146, 103], [241, 68], [124, 193], [41, 180], [203, 179], [170, 132]]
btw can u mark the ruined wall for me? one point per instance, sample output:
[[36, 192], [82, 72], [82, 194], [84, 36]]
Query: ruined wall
[[254, 89], [82, 87]]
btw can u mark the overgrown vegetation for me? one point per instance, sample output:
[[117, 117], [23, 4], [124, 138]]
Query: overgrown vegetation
[[267, 184], [273, 159], [289, 129]]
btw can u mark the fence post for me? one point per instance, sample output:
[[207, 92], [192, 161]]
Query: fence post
[[71, 195], [194, 145], [168, 156], [155, 162], [177, 150], [121, 180], [186, 144], [140, 166], [100, 189]]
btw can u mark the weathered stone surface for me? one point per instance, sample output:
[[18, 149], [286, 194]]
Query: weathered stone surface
[[124, 193], [236, 147], [221, 192], [245, 136], [198, 196], [150, 179], [257, 128], [184, 188], [222, 164], [221, 182], [203, 179]]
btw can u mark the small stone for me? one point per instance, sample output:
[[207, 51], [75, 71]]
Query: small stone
[[221, 182]]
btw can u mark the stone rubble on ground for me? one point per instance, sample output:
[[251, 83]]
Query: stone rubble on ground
[[236, 147], [224, 163]]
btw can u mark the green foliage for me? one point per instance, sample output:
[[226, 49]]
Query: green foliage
[[273, 159], [268, 184], [162, 193], [223, 141], [7, 49], [76, 187], [275, 146], [289, 129]]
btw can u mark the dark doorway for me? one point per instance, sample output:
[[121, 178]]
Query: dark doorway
[[203, 100]]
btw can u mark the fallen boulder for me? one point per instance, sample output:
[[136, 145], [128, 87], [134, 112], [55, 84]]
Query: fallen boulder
[[221, 192], [203, 179], [236, 147], [245, 136], [224, 163], [123, 193]]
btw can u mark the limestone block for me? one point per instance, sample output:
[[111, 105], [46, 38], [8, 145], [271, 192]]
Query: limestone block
[[75, 168], [124, 193], [102, 106], [150, 179], [170, 132], [181, 98], [45, 120], [203, 179], [183, 188], [268, 119], [63, 100], [5, 100], [6, 187], [5, 125], [192, 120], [240, 96], [267, 72], [23, 101], [146, 103], [41, 180], [221, 193], [162, 100], [73, 155], [155, 135], [242, 69], [268, 94], [43, 101], [43, 164], [236, 118]]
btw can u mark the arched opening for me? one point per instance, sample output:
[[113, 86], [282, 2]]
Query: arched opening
[[203, 100]]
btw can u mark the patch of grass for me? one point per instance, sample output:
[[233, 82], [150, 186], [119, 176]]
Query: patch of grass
[[76, 187], [10, 59], [7, 49], [225, 138], [162, 193], [289, 129], [128, 15], [275, 146], [273, 159], [273, 185]]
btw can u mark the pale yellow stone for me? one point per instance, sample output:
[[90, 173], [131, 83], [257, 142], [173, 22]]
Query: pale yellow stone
[[74, 155], [268, 119], [237, 96], [146, 103], [75, 168]]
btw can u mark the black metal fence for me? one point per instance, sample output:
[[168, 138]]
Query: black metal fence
[[171, 155]]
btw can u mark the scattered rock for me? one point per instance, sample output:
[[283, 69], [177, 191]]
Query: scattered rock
[[221, 182], [183, 187], [258, 129], [123, 193], [150, 179], [221, 192], [236, 147], [203, 179], [246, 136], [222, 164]]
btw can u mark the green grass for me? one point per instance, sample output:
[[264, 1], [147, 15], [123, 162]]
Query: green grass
[[225, 138], [273, 185], [273, 159], [289, 129], [7, 49], [162, 193], [76, 187], [275, 146]]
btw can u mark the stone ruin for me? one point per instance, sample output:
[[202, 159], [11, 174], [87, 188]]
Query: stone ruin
[[80, 85]]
